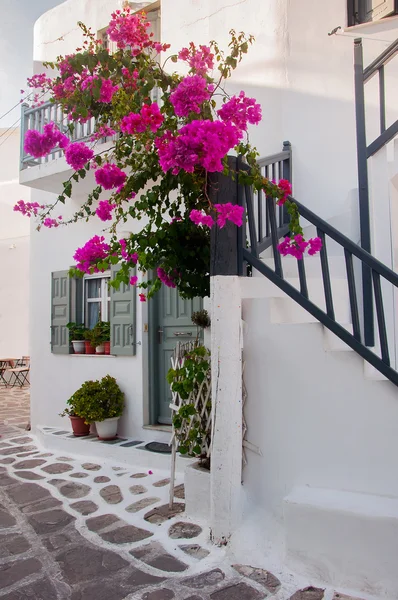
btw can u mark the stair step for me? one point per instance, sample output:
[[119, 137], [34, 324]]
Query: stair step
[[371, 373], [332, 343]]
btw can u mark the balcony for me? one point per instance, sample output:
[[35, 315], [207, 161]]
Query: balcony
[[48, 173]]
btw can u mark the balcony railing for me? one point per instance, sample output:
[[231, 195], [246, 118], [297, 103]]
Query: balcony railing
[[36, 118]]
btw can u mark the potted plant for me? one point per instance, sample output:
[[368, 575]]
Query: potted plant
[[79, 426], [76, 337], [98, 336], [90, 349], [101, 402]]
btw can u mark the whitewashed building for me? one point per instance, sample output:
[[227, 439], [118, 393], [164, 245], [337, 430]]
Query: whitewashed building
[[14, 252], [320, 490]]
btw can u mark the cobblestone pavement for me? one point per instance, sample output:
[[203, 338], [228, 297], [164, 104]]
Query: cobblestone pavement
[[78, 530]]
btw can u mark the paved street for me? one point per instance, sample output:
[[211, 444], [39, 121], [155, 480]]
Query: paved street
[[75, 529]]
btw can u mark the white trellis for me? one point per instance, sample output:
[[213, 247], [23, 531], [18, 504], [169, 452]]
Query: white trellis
[[201, 399]]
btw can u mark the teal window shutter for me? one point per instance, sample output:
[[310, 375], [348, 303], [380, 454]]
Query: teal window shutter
[[123, 318], [60, 312]]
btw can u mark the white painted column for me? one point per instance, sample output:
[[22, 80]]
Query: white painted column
[[226, 367]]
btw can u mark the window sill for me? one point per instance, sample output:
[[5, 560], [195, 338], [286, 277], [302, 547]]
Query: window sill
[[93, 355], [374, 26]]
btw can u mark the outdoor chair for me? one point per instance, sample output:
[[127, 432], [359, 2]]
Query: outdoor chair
[[3, 368], [20, 375]]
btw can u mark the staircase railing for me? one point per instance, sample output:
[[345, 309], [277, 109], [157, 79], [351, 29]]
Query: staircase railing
[[380, 277], [365, 151]]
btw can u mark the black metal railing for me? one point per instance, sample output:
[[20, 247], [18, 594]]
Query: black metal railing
[[275, 167], [365, 151], [381, 277]]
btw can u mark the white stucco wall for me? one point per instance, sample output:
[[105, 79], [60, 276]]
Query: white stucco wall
[[14, 253]]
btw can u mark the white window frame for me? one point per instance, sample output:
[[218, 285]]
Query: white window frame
[[104, 299]]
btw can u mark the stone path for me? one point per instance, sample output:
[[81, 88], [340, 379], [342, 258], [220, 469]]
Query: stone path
[[72, 529], [14, 408]]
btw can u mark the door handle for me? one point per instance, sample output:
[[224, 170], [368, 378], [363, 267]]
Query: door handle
[[160, 335], [180, 333]]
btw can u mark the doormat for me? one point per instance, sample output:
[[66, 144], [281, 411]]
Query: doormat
[[158, 447]]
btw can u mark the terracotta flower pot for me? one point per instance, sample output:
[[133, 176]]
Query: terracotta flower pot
[[80, 428], [107, 346], [89, 348]]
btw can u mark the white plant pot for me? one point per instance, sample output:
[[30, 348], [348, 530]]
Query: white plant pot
[[197, 491], [79, 347], [106, 430], [100, 349]]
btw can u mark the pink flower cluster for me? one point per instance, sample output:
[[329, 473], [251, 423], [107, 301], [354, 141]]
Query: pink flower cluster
[[107, 91], [229, 212], [40, 144], [104, 210], [77, 155], [127, 29], [93, 251], [201, 59], [165, 278], [161, 47], [142, 298], [133, 280], [110, 176], [240, 111], [226, 212], [103, 132], [190, 94], [40, 81], [198, 144], [149, 116], [285, 187], [200, 218], [28, 208], [50, 223], [130, 258], [297, 245]]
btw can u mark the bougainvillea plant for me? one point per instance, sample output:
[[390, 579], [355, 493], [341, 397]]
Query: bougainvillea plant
[[157, 166]]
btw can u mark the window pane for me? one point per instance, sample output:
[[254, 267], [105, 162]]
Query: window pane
[[93, 288], [92, 314]]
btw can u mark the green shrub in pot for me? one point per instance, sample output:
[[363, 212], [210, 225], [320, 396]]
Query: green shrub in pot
[[101, 402]]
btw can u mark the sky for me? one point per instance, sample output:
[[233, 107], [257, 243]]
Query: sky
[[17, 18]]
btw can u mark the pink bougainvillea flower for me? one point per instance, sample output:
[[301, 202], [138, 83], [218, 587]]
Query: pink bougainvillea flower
[[240, 110], [103, 132], [315, 246], [286, 189], [201, 59], [104, 210], [133, 280], [200, 143], [189, 95], [110, 176], [40, 144], [229, 212], [200, 218], [28, 208], [50, 223], [107, 91], [142, 297], [127, 29], [150, 472], [87, 256], [77, 155], [293, 246], [165, 278], [149, 116]]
